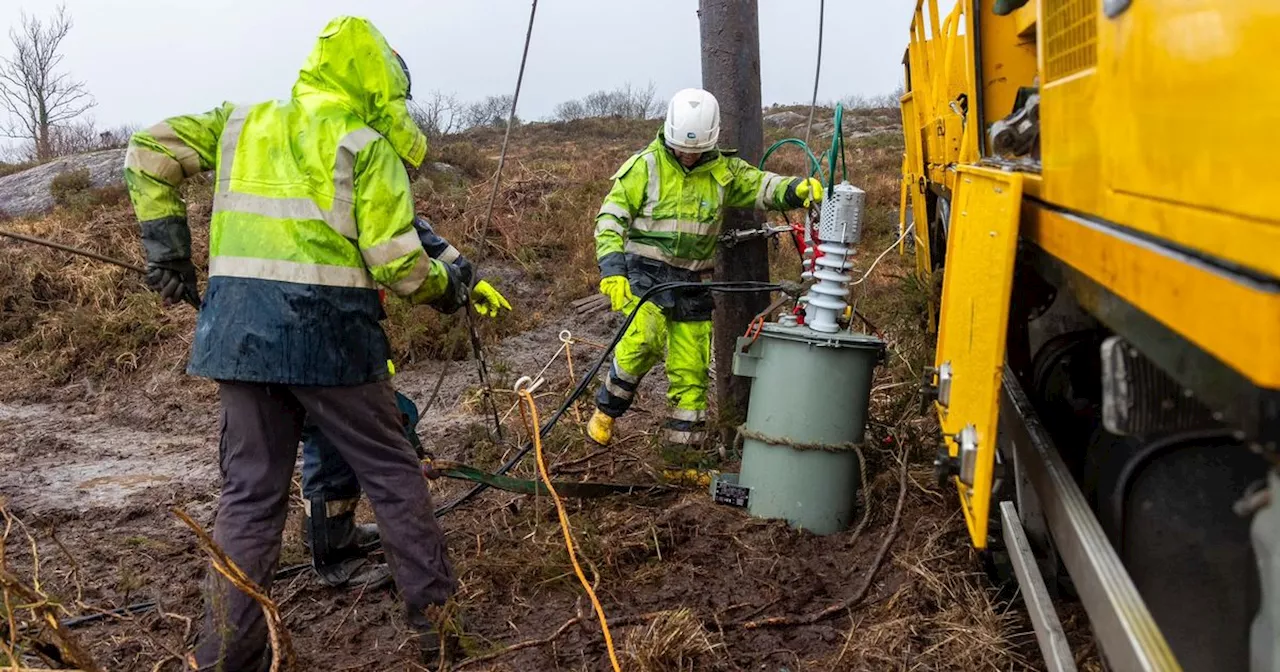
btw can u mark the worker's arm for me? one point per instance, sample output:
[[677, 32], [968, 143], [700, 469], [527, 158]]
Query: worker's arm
[[438, 247], [763, 190], [613, 222], [157, 161], [389, 241], [161, 157], [484, 296]]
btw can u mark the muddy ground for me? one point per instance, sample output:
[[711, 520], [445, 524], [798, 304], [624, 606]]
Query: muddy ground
[[95, 490], [102, 436]]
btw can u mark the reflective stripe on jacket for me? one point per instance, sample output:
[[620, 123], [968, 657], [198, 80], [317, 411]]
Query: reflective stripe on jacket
[[312, 212], [660, 210]]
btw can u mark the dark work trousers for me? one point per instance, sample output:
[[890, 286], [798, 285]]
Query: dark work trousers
[[326, 475], [261, 428]]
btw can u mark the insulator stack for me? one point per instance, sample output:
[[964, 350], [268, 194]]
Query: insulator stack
[[838, 232]]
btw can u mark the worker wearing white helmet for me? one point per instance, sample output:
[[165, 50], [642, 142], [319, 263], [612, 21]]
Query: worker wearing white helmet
[[661, 223]]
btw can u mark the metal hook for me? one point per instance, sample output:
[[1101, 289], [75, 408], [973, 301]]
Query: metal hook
[[527, 384]]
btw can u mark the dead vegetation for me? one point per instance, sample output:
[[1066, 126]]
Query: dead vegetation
[[686, 585], [31, 625]]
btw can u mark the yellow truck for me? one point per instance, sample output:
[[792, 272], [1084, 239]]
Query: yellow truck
[[1091, 181]]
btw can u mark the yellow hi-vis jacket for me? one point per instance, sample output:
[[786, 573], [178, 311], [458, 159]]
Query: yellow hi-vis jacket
[[312, 212]]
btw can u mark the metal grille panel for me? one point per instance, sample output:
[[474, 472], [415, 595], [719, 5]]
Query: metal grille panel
[[1070, 37]]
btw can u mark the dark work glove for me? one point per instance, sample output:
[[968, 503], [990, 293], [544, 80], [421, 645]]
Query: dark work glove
[[466, 271], [167, 242], [174, 280], [456, 294]]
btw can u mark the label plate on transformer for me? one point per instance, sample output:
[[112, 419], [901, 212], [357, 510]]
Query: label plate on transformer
[[731, 494]]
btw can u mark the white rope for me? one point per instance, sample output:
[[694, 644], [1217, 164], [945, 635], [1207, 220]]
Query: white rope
[[859, 281]]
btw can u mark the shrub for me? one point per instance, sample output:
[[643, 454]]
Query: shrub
[[68, 186], [465, 157], [74, 190], [12, 168]]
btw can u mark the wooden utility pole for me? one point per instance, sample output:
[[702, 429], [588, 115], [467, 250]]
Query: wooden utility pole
[[731, 72]]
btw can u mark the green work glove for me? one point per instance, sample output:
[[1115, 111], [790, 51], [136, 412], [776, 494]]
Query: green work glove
[[487, 300], [810, 191], [618, 289]]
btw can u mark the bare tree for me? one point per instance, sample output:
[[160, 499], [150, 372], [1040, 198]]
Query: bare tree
[[491, 111], [859, 101], [83, 135], [570, 110], [438, 114], [626, 101], [35, 95]]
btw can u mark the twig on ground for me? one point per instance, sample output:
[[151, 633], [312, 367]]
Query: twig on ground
[[560, 468], [845, 604], [328, 640], [33, 599], [75, 566], [163, 661], [282, 654], [530, 643]]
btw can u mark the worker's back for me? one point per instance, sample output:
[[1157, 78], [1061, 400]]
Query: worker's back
[[312, 212]]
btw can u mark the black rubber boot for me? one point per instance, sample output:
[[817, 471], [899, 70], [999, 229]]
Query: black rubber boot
[[437, 629], [336, 544]]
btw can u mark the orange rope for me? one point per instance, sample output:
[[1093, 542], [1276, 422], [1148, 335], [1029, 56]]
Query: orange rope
[[527, 396]]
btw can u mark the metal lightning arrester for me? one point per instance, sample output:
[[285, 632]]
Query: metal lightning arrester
[[839, 229]]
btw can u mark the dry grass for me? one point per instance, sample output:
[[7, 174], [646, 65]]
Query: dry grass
[[68, 319], [674, 641], [674, 573], [945, 615], [73, 321]]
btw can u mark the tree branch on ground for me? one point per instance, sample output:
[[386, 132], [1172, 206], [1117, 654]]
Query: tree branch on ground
[[18, 594], [283, 657]]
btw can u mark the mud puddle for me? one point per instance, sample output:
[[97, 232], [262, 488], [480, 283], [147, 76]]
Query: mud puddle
[[62, 462]]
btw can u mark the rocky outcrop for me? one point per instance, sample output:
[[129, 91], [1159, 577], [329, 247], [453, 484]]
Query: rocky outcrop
[[786, 119], [27, 192]]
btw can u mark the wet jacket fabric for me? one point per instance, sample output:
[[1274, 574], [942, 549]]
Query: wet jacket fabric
[[312, 212], [660, 210]]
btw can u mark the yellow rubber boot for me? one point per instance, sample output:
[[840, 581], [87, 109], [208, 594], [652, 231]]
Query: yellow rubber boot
[[600, 428]]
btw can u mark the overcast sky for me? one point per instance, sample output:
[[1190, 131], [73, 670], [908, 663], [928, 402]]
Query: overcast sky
[[144, 60]]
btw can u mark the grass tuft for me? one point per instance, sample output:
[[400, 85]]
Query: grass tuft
[[674, 641]]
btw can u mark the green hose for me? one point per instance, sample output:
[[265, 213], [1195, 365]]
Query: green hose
[[814, 163], [837, 148], [834, 153]]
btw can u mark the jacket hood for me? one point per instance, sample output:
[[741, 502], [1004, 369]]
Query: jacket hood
[[353, 65]]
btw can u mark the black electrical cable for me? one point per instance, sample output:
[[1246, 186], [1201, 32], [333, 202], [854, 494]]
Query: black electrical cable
[[742, 287]]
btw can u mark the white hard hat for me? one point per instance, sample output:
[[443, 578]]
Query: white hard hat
[[693, 121]]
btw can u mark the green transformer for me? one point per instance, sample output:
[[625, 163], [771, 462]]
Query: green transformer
[[807, 414]]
